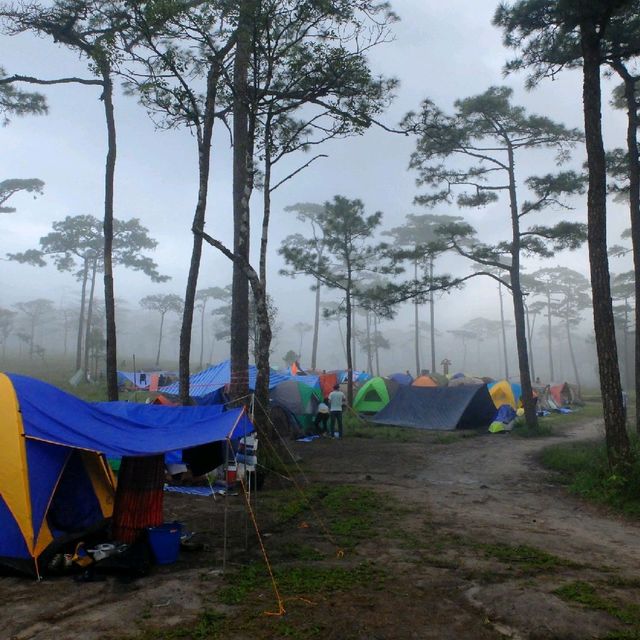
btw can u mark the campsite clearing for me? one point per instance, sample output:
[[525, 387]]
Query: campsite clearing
[[457, 537]]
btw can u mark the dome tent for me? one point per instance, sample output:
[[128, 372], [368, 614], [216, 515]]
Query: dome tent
[[374, 395]]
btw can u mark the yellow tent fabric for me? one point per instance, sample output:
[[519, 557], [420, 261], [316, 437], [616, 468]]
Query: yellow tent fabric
[[502, 393], [26, 495]]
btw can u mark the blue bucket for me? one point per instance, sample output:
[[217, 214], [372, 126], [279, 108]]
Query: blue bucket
[[165, 541]]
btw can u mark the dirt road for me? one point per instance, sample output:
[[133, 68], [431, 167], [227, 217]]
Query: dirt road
[[477, 543]]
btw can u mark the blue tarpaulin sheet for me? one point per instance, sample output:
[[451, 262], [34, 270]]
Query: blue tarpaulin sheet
[[214, 378], [121, 428]]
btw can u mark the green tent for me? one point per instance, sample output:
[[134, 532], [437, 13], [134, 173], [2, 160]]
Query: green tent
[[374, 395], [299, 398]]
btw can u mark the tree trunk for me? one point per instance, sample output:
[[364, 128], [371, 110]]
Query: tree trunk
[[316, 329], [552, 376], [348, 339], [160, 338], [87, 333], [354, 344], [614, 415], [204, 306], [416, 320], [625, 334], [239, 347], [262, 361], [83, 298], [530, 343], [33, 336], [528, 401], [369, 353], [571, 353], [432, 321], [109, 179], [375, 332], [633, 123], [504, 333], [204, 161], [263, 346]]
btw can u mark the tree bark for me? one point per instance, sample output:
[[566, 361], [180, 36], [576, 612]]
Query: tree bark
[[109, 179], [204, 307], [375, 332], [369, 350], [552, 376], [432, 320], [530, 343], [416, 320], [504, 333], [160, 338], [259, 288], [528, 401], [633, 122], [87, 333], [83, 298], [204, 163], [614, 416], [239, 347], [571, 353], [349, 312], [354, 345], [316, 329]]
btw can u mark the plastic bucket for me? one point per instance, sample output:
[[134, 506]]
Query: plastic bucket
[[232, 475], [165, 541]]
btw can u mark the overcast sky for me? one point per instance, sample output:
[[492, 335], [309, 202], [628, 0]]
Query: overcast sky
[[441, 50]]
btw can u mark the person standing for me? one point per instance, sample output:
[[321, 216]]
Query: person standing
[[321, 423], [336, 401]]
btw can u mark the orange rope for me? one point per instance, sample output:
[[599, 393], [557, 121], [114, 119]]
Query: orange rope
[[340, 552], [281, 610]]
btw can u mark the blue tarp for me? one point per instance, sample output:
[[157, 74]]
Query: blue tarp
[[445, 408], [215, 378], [309, 380], [121, 428], [402, 378]]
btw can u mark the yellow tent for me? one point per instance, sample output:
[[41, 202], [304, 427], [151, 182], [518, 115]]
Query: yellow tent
[[502, 393]]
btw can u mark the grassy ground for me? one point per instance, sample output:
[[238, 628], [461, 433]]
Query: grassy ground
[[371, 552], [585, 470]]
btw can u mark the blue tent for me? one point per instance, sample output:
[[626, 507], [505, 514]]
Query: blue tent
[[54, 479], [402, 378], [213, 379]]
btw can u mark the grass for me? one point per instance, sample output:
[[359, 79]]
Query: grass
[[584, 468], [549, 425], [451, 438], [350, 514], [357, 427], [589, 596], [527, 559], [298, 581]]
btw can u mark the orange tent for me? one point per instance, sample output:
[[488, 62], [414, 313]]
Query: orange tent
[[327, 382], [424, 381]]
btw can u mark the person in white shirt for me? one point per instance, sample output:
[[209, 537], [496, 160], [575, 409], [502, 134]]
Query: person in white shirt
[[321, 422], [336, 400]]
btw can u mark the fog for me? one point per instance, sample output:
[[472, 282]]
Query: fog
[[443, 51]]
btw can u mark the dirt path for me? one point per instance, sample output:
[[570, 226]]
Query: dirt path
[[458, 508], [492, 485]]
